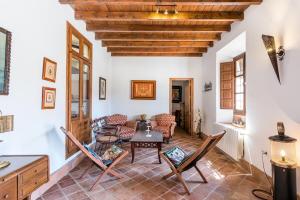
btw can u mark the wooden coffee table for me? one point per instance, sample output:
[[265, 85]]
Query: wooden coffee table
[[140, 140]]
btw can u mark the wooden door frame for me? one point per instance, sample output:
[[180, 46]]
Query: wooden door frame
[[69, 54], [191, 82]]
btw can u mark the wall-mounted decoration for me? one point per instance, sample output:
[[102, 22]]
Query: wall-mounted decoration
[[176, 94], [208, 86], [6, 123], [5, 49], [48, 98], [143, 89], [102, 88], [269, 43], [49, 70]]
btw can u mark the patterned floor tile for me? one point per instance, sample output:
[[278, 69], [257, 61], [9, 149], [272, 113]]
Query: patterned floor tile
[[143, 179]]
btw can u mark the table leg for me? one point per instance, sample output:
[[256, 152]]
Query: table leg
[[132, 152], [158, 151]]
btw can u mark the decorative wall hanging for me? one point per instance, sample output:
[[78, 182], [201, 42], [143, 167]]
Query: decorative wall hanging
[[208, 86], [5, 50], [143, 89], [49, 70], [6, 123], [102, 88], [269, 43], [176, 94], [48, 98]]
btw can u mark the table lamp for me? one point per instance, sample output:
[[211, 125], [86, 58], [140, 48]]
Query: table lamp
[[284, 163]]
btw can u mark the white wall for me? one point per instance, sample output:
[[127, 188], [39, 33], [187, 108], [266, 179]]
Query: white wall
[[39, 29], [267, 101], [125, 69]]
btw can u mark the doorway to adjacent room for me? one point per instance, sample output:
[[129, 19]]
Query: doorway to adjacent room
[[181, 102]]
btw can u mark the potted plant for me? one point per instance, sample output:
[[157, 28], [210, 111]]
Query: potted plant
[[198, 120]]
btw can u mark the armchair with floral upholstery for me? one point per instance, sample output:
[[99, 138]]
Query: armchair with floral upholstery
[[164, 123], [128, 128]]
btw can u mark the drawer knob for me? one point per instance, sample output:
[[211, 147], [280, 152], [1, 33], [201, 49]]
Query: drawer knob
[[36, 171], [6, 196]]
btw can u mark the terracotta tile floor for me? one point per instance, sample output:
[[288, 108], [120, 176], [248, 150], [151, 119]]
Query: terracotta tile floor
[[226, 179]]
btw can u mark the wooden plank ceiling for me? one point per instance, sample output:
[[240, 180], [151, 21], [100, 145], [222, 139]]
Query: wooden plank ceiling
[[143, 28]]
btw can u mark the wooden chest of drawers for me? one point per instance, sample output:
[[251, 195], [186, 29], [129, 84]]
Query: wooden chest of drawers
[[8, 189], [23, 176]]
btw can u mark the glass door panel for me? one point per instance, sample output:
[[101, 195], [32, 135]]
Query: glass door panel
[[85, 90], [75, 91], [75, 43], [86, 51]]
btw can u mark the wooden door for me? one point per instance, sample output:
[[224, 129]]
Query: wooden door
[[79, 85], [187, 109], [74, 104]]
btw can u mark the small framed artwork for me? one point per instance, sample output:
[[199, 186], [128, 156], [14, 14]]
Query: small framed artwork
[[102, 88], [143, 89], [176, 94], [48, 98], [49, 70]]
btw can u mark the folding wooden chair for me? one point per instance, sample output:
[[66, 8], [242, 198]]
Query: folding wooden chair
[[192, 159], [107, 169]]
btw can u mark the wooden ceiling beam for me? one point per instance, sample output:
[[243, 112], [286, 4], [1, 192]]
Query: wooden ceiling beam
[[166, 2], [157, 50], [157, 36], [159, 54], [146, 16], [133, 28], [156, 28], [108, 43]]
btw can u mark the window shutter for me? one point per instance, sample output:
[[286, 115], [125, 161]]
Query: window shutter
[[226, 85]]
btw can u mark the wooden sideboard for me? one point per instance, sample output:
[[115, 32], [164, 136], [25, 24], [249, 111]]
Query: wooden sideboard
[[24, 175]]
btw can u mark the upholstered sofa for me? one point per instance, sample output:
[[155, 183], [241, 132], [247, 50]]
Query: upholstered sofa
[[128, 128], [164, 123]]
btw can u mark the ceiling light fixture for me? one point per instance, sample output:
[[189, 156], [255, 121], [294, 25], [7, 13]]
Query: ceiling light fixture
[[165, 9]]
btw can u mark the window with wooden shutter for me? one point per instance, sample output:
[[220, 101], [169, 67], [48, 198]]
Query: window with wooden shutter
[[239, 82], [226, 85]]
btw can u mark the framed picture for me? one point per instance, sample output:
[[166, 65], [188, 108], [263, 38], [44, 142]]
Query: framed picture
[[102, 88], [5, 54], [49, 70], [176, 94], [48, 98], [143, 89]]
